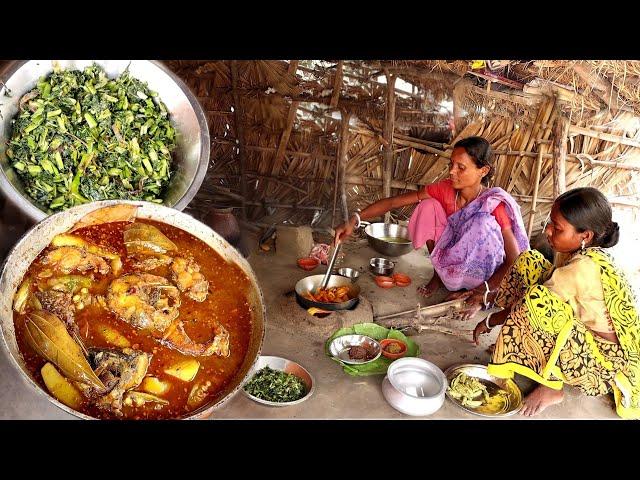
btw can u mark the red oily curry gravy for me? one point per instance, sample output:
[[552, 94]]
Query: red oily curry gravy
[[225, 304]]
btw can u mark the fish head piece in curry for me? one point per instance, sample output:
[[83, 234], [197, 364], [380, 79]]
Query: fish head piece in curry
[[145, 301]]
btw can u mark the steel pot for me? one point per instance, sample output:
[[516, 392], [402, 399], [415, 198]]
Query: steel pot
[[376, 232], [310, 284], [41, 234], [190, 159], [414, 386]]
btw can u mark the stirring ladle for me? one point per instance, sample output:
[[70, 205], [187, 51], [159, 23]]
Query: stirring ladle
[[327, 275]]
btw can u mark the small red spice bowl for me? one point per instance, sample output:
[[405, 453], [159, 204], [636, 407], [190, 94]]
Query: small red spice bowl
[[384, 282], [397, 347], [308, 263], [401, 279]]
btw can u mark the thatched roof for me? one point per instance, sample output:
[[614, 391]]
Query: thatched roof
[[277, 125]]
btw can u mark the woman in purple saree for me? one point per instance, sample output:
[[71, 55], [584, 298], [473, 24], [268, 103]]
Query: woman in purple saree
[[474, 233], [472, 248]]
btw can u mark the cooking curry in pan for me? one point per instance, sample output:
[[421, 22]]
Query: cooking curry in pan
[[134, 319]]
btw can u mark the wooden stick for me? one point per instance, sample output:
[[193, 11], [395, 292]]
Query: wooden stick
[[335, 189], [536, 186], [464, 333], [546, 113], [284, 138], [294, 206], [276, 180], [419, 327], [560, 153], [527, 100], [337, 85], [389, 119], [603, 136], [240, 132], [273, 149], [416, 143], [573, 158], [342, 163]]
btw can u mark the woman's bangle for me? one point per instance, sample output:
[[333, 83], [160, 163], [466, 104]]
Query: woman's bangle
[[486, 321], [485, 300], [357, 215]]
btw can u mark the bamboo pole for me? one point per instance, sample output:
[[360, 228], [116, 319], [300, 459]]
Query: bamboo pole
[[560, 153], [527, 100], [240, 132], [293, 206], [337, 85], [548, 111], [603, 136], [276, 180], [335, 189], [286, 133], [342, 163], [258, 148], [389, 118], [536, 186]]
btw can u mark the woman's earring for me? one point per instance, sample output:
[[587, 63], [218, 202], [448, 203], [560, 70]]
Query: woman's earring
[[582, 246]]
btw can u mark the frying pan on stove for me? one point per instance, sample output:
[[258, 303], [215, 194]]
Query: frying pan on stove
[[313, 282]]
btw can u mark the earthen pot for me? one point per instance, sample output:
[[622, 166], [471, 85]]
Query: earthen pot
[[224, 222]]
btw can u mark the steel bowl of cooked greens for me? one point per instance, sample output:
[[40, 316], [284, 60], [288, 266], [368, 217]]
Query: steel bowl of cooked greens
[[76, 131], [473, 389], [278, 382]]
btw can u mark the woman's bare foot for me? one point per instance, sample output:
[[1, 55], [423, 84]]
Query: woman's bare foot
[[541, 398], [428, 289]]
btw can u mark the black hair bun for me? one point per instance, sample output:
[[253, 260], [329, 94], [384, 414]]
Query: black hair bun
[[611, 236]]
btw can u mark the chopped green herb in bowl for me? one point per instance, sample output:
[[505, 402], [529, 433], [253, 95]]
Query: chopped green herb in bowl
[[80, 136], [275, 386]]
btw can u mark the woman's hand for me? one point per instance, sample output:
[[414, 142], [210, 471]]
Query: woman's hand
[[473, 302], [343, 232], [456, 295], [480, 329]]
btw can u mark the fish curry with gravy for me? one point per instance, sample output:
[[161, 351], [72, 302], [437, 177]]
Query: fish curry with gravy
[[134, 320]]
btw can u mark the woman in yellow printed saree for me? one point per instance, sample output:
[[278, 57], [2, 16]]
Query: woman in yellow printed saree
[[575, 322]]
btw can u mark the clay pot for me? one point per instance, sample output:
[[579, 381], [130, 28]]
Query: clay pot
[[384, 282], [308, 263], [401, 347], [401, 279], [225, 224]]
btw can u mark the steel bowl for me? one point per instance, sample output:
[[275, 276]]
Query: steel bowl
[[339, 348], [350, 273], [414, 386], [389, 239], [311, 283], [190, 158], [381, 266], [504, 390], [41, 234], [287, 366]]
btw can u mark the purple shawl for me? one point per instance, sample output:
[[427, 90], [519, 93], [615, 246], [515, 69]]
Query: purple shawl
[[471, 247]]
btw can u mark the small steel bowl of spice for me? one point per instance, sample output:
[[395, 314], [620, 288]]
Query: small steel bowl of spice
[[278, 382]]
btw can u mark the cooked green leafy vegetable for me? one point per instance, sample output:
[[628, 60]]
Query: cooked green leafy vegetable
[[80, 137], [275, 386]]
